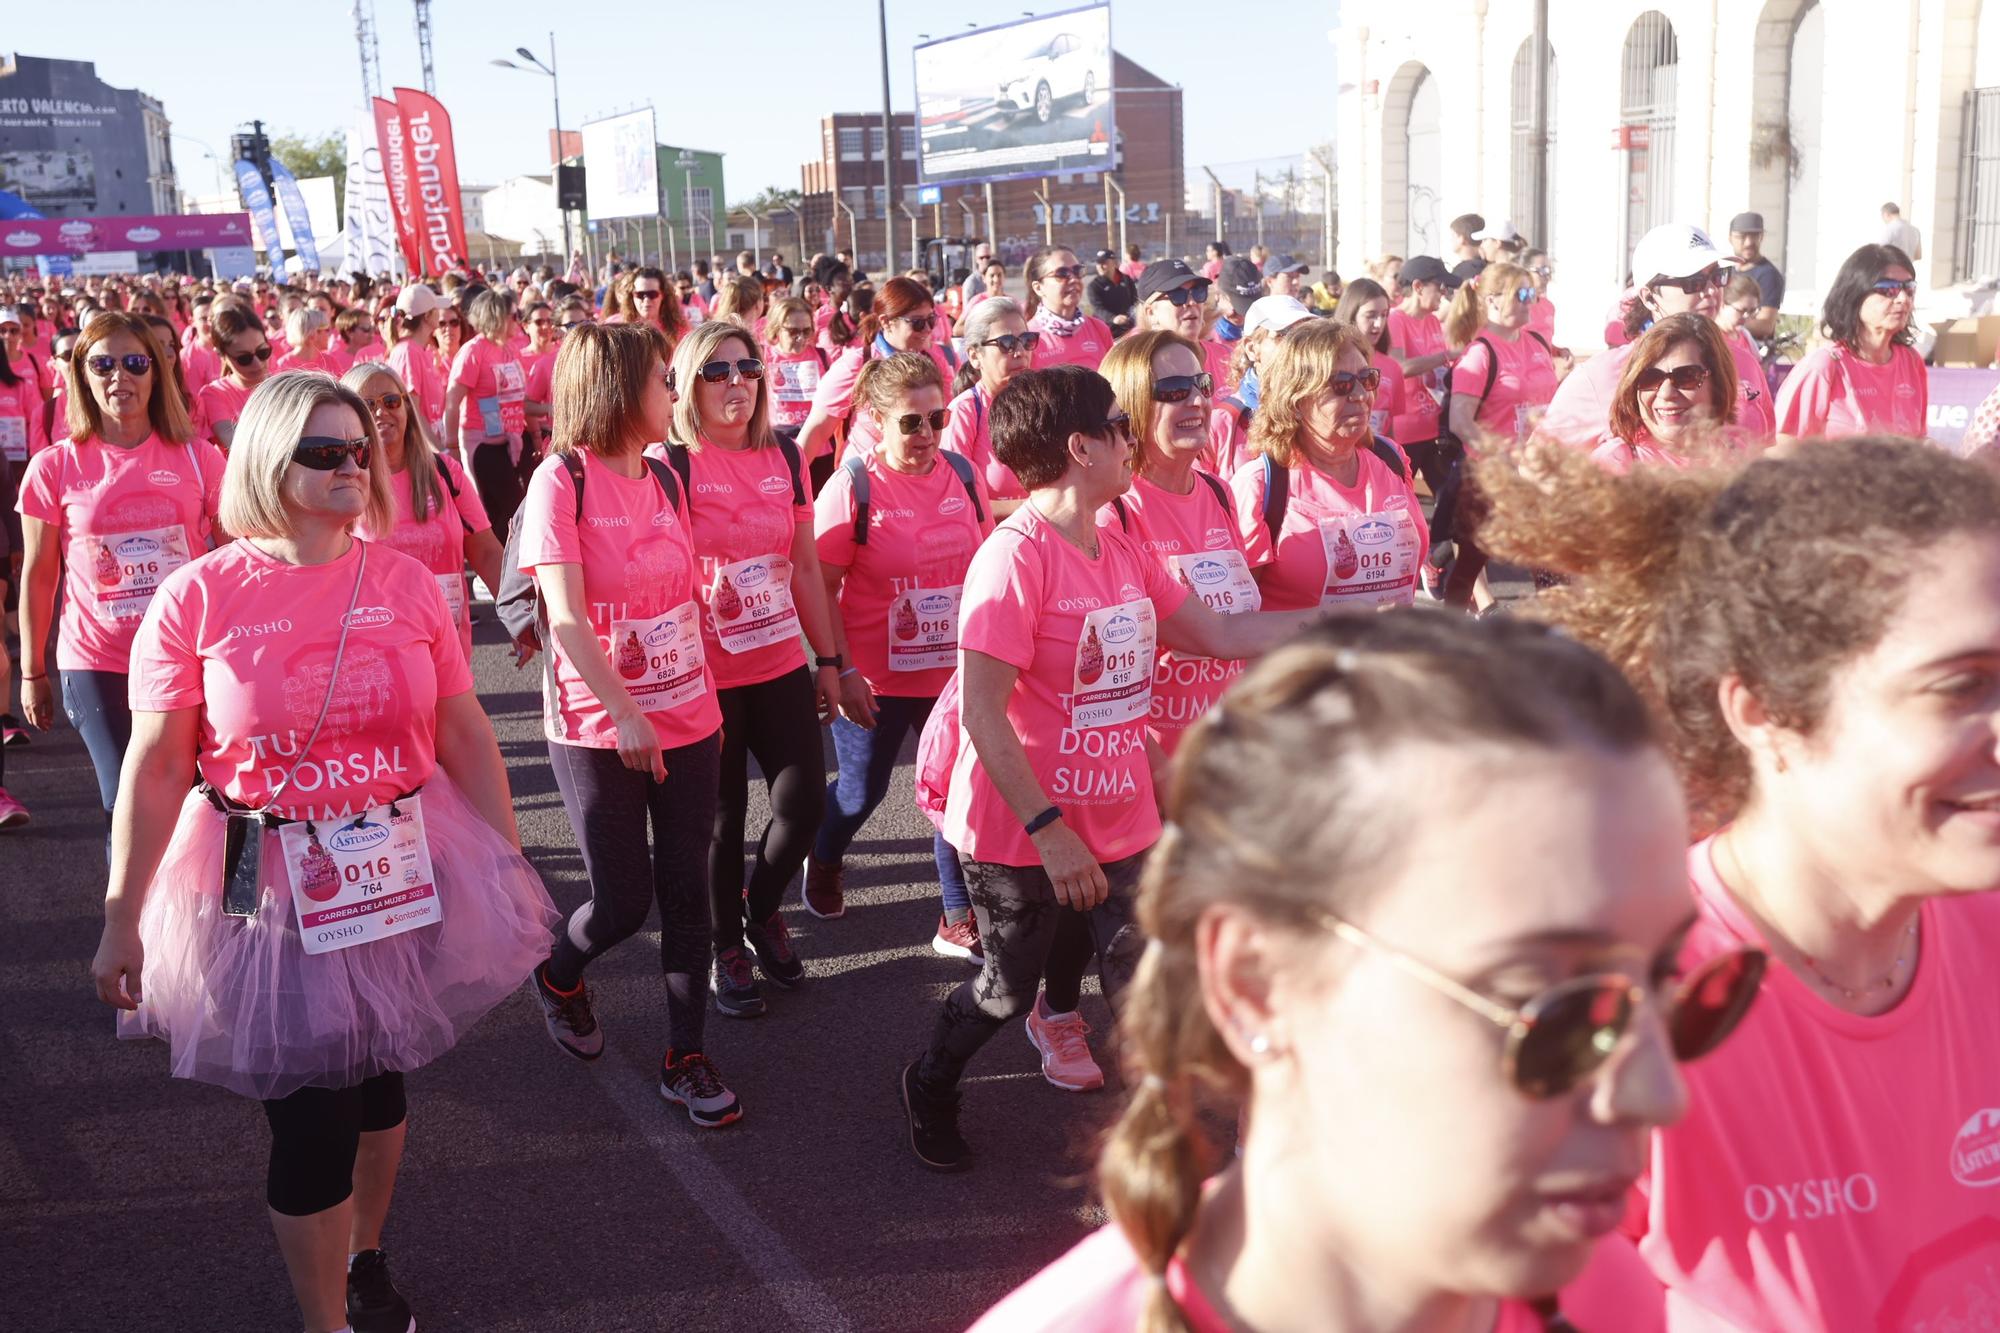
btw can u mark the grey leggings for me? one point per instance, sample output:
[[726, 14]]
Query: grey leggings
[[1019, 919]]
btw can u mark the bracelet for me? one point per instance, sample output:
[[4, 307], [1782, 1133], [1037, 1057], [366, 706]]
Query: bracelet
[[26, 677], [849, 672], [836, 661], [1042, 821]]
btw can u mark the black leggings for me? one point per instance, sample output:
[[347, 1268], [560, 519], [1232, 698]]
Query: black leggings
[[500, 481], [777, 723], [608, 805], [315, 1134], [1020, 926]]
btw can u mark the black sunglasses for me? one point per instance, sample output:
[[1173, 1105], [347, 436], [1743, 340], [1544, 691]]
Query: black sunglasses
[[1196, 292], [1700, 282], [912, 422], [919, 323], [715, 372], [651, 295], [1686, 378], [1066, 272], [323, 453], [1014, 344], [1345, 383], [1116, 424], [671, 380], [135, 363], [1891, 288], [577, 324], [245, 358], [1178, 388]]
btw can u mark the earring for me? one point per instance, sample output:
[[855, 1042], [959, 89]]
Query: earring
[[1260, 1044]]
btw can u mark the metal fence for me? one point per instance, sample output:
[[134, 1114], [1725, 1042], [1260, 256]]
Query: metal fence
[[1979, 188], [1281, 203]]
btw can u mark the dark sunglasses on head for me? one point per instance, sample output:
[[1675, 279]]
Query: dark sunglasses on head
[[1196, 292], [1686, 378], [1891, 288], [1345, 383], [1014, 344], [1178, 388], [135, 363], [245, 358], [1066, 272], [391, 400], [1700, 282], [919, 323], [324, 453], [715, 372], [911, 422]]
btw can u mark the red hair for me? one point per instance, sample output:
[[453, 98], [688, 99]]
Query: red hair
[[898, 298]]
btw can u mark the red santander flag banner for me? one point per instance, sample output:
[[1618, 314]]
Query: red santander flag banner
[[433, 164], [396, 172]]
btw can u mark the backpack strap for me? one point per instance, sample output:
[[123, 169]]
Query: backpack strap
[[683, 466], [962, 465], [1277, 498], [857, 477], [574, 466], [444, 475], [790, 449], [825, 361], [669, 485], [1243, 412], [1221, 492], [1386, 451], [1124, 519]]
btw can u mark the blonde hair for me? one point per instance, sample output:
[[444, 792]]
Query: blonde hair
[[886, 379], [1467, 315], [302, 323], [274, 418], [164, 408], [598, 383], [1129, 367], [738, 302], [488, 314], [1299, 366], [699, 346], [419, 451]]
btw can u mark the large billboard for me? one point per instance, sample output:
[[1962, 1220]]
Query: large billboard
[[1029, 98], [621, 167]]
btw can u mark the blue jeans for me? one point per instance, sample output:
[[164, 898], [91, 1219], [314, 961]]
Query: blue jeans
[[867, 765], [98, 706]]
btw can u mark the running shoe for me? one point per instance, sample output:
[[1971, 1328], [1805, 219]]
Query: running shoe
[[823, 895], [1064, 1043], [959, 939], [12, 813], [934, 1135], [568, 1017], [12, 733], [691, 1081], [772, 943], [734, 986], [373, 1303]]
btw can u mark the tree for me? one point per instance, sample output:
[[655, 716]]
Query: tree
[[323, 156], [767, 201]]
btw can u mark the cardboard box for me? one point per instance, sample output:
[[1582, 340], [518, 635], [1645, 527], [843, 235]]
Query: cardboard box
[[1967, 342]]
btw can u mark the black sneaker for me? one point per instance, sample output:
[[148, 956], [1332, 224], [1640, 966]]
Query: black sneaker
[[570, 1022], [772, 943], [691, 1081], [734, 986], [373, 1303], [934, 1135]]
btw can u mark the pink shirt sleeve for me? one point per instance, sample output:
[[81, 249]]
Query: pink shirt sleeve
[[835, 395], [548, 520], [39, 485], [1001, 609], [454, 673], [1469, 376], [1806, 400], [166, 668], [833, 520], [1247, 486], [467, 365]]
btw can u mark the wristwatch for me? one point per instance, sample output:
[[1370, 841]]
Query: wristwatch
[[837, 661]]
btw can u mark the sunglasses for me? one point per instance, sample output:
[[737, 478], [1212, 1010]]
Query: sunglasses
[[1346, 382], [671, 380], [541, 322], [1178, 388], [1543, 271], [1890, 288], [912, 422], [9, 330], [1066, 272], [1700, 282], [715, 372], [1687, 379], [324, 453], [1196, 292], [1014, 344], [918, 323], [577, 324], [1118, 424], [802, 330], [245, 358], [451, 323], [1564, 1035], [1527, 295], [135, 363], [652, 295], [392, 401]]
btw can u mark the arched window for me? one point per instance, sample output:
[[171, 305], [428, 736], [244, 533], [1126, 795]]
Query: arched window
[[1522, 197], [1424, 143], [1648, 92]]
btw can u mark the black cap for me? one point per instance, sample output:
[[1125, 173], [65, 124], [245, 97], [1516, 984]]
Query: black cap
[[1163, 275], [1241, 282], [1103, 255], [1277, 264], [1747, 222], [1424, 268], [1468, 271]]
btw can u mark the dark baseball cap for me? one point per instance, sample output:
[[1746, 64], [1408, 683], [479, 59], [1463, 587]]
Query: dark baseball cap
[[1424, 268], [1241, 282], [1164, 275], [1468, 271], [1103, 255], [1284, 264], [1747, 222]]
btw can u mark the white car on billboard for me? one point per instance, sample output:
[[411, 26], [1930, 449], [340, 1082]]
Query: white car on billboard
[[1063, 67]]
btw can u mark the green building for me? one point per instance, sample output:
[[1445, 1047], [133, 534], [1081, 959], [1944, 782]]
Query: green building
[[693, 199]]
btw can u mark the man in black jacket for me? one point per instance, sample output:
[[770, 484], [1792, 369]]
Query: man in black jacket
[[1112, 295]]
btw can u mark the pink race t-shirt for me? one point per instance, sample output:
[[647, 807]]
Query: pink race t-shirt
[[969, 435], [1356, 545], [1580, 413], [1833, 392], [1388, 398], [1195, 537], [540, 368], [438, 542], [125, 519], [1542, 317], [901, 597], [326, 363], [222, 403], [250, 640], [1838, 1172], [1621, 457], [1085, 347], [200, 363], [496, 392], [1216, 359], [1416, 413], [639, 587], [1523, 382], [417, 366], [21, 427], [1228, 438], [1083, 634], [742, 511], [794, 379]]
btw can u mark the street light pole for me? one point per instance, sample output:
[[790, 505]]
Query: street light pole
[[889, 150], [555, 86]]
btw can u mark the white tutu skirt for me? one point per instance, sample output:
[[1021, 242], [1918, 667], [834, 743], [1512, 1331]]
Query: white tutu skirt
[[241, 1004]]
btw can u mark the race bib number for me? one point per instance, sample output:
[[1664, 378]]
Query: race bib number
[[1221, 579], [751, 604], [795, 381], [1378, 421], [130, 566], [1112, 681], [357, 880], [453, 588], [1526, 418], [923, 629], [1371, 559], [659, 658], [14, 439], [513, 396]]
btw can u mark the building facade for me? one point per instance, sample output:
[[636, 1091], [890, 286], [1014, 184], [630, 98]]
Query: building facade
[[1076, 207], [72, 145], [1681, 110]]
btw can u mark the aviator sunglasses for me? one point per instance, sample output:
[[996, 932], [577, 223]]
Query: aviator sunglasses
[[912, 422], [135, 363], [1687, 379], [1178, 388], [715, 372], [323, 453]]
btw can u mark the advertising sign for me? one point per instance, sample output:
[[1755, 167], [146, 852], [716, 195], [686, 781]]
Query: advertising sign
[[1030, 98], [296, 216], [369, 237], [82, 236], [390, 138], [439, 218], [256, 197], [621, 166]]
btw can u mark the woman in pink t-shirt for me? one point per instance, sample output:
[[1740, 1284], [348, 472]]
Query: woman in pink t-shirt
[[1820, 633], [307, 333], [245, 352], [1866, 378], [1676, 398], [629, 695], [902, 319], [413, 327], [1051, 803], [794, 362], [486, 408], [1416, 340], [1445, 1063], [1366, 306], [894, 602], [343, 895], [23, 432], [998, 346], [761, 591], [538, 358], [127, 499], [1055, 311]]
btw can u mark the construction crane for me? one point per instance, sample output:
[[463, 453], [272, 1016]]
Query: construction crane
[[424, 44], [371, 53]]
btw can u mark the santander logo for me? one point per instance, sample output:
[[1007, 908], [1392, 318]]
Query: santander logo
[[1975, 1153]]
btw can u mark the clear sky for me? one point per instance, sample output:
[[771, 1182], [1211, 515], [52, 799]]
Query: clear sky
[[1258, 75]]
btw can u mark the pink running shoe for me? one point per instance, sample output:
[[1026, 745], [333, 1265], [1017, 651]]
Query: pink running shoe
[[1064, 1043], [12, 813]]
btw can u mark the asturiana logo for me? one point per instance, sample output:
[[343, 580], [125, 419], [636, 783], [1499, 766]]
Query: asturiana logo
[[951, 504], [660, 635], [775, 486], [1120, 629], [1209, 571], [163, 477], [1374, 532], [22, 239], [1975, 1153], [754, 576], [359, 837], [1216, 539], [933, 604], [136, 548], [143, 235], [368, 617]]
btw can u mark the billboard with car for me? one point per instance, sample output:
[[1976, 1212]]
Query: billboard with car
[[1029, 98]]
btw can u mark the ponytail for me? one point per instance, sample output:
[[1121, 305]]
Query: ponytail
[[1463, 319]]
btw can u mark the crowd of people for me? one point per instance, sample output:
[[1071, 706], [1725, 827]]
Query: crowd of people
[[1177, 574]]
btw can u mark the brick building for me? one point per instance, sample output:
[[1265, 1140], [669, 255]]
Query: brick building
[[1148, 167]]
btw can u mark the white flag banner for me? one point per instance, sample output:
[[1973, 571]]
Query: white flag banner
[[370, 231]]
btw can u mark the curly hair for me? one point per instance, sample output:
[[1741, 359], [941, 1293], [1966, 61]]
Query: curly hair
[[1300, 365]]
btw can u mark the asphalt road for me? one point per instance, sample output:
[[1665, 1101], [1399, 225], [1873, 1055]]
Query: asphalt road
[[539, 1194]]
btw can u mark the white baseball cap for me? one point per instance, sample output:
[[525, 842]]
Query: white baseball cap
[[1276, 313], [1674, 250], [1498, 231], [417, 300]]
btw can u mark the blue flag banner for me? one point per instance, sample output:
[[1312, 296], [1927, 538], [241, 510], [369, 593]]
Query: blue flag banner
[[296, 214], [258, 200]]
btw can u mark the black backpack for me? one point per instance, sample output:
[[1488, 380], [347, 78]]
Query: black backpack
[[1492, 370], [857, 474], [1278, 484], [444, 475], [683, 466]]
